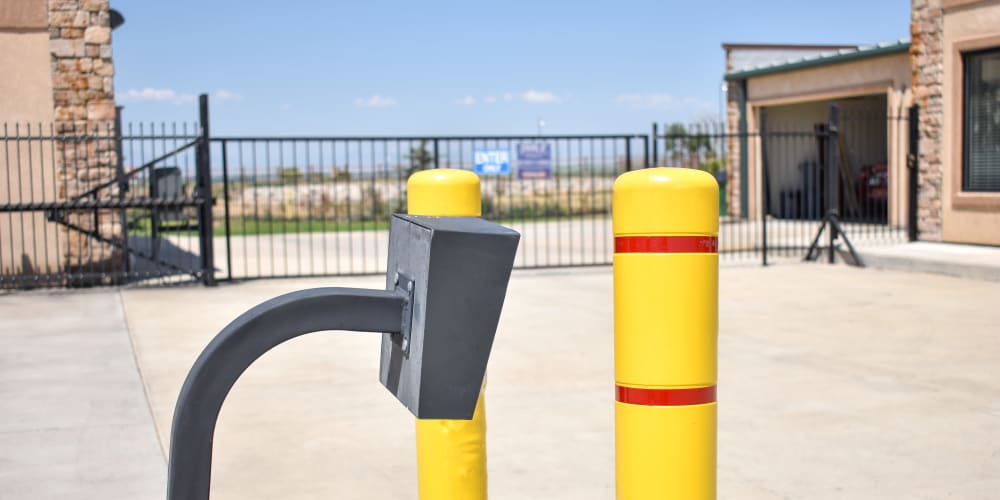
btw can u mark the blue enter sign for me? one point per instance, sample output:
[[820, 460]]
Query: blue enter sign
[[490, 161]]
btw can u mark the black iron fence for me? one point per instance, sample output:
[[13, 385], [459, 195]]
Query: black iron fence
[[307, 206], [89, 206], [169, 203], [778, 183]]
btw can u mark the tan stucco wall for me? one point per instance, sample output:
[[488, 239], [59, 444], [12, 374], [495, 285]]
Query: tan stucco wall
[[23, 14], [858, 77], [966, 220], [26, 101], [26, 81]]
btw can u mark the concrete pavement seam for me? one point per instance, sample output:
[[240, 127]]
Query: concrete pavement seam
[[138, 369]]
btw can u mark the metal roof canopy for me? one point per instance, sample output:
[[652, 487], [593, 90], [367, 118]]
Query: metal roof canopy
[[840, 56]]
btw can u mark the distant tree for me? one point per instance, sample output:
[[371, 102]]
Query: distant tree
[[714, 165], [674, 143], [341, 175], [419, 158], [686, 148], [677, 129], [698, 142], [289, 175], [314, 175]]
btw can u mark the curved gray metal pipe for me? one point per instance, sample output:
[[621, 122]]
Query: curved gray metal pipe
[[243, 341]]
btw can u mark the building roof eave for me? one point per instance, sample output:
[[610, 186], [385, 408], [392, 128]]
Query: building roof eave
[[811, 62]]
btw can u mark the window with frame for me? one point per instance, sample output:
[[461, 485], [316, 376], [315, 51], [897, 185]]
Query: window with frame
[[981, 115]]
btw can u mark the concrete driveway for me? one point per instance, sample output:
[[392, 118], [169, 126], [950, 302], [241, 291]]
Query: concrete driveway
[[834, 383]]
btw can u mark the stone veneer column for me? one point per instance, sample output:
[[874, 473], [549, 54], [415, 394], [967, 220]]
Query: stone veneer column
[[733, 190], [83, 95], [927, 66]]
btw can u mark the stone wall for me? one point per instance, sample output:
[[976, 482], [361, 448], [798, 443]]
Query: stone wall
[[733, 147], [927, 63], [84, 117]]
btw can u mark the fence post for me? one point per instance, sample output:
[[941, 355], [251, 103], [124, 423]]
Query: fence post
[[628, 155], [744, 139], [451, 454], [913, 171], [666, 265], [225, 208], [645, 152], [765, 191], [203, 164], [832, 175], [122, 189], [655, 150]]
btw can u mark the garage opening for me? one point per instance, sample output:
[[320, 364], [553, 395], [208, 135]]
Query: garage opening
[[794, 154]]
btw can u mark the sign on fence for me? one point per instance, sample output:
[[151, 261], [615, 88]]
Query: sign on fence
[[534, 160], [490, 161]]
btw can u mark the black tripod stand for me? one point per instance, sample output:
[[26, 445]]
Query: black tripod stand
[[832, 221], [830, 155]]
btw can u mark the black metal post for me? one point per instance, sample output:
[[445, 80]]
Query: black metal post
[[628, 156], [655, 138], [122, 188], [744, 138], [154, 211], [120, 161], [437, 163], [225, 207], [833, 175], [819, 133], [645, 152], [913, 171], [204, 176], [237, 346], [765, 192]]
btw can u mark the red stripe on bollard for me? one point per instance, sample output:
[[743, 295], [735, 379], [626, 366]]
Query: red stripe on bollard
[[666, 244], [665, 397]]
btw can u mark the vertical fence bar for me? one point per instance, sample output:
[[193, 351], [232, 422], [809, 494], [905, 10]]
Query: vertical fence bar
[[225, 209], [203, 164], [765, 191], [10, 215], [645, 151], [913, 172], [55, 268], [655, 137], [122, 191], [833, 175], [628, 154]]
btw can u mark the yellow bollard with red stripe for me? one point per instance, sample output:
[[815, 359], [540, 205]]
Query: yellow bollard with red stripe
[[451, 454], [666, 275]]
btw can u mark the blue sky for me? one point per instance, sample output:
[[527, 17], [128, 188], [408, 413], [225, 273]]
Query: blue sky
[[437, 67]]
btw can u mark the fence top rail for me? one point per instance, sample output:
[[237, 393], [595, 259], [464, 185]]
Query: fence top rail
[[710, 135], [99, 136], [428, 138]]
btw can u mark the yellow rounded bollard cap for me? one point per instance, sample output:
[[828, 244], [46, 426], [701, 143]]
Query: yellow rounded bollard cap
[[665, 200], [446, 192]]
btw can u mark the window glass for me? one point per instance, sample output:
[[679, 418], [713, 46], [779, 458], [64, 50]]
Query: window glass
[[981, 152]]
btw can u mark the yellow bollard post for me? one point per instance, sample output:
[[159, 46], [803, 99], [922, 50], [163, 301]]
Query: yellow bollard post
[[451, 454], [666, 286]]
